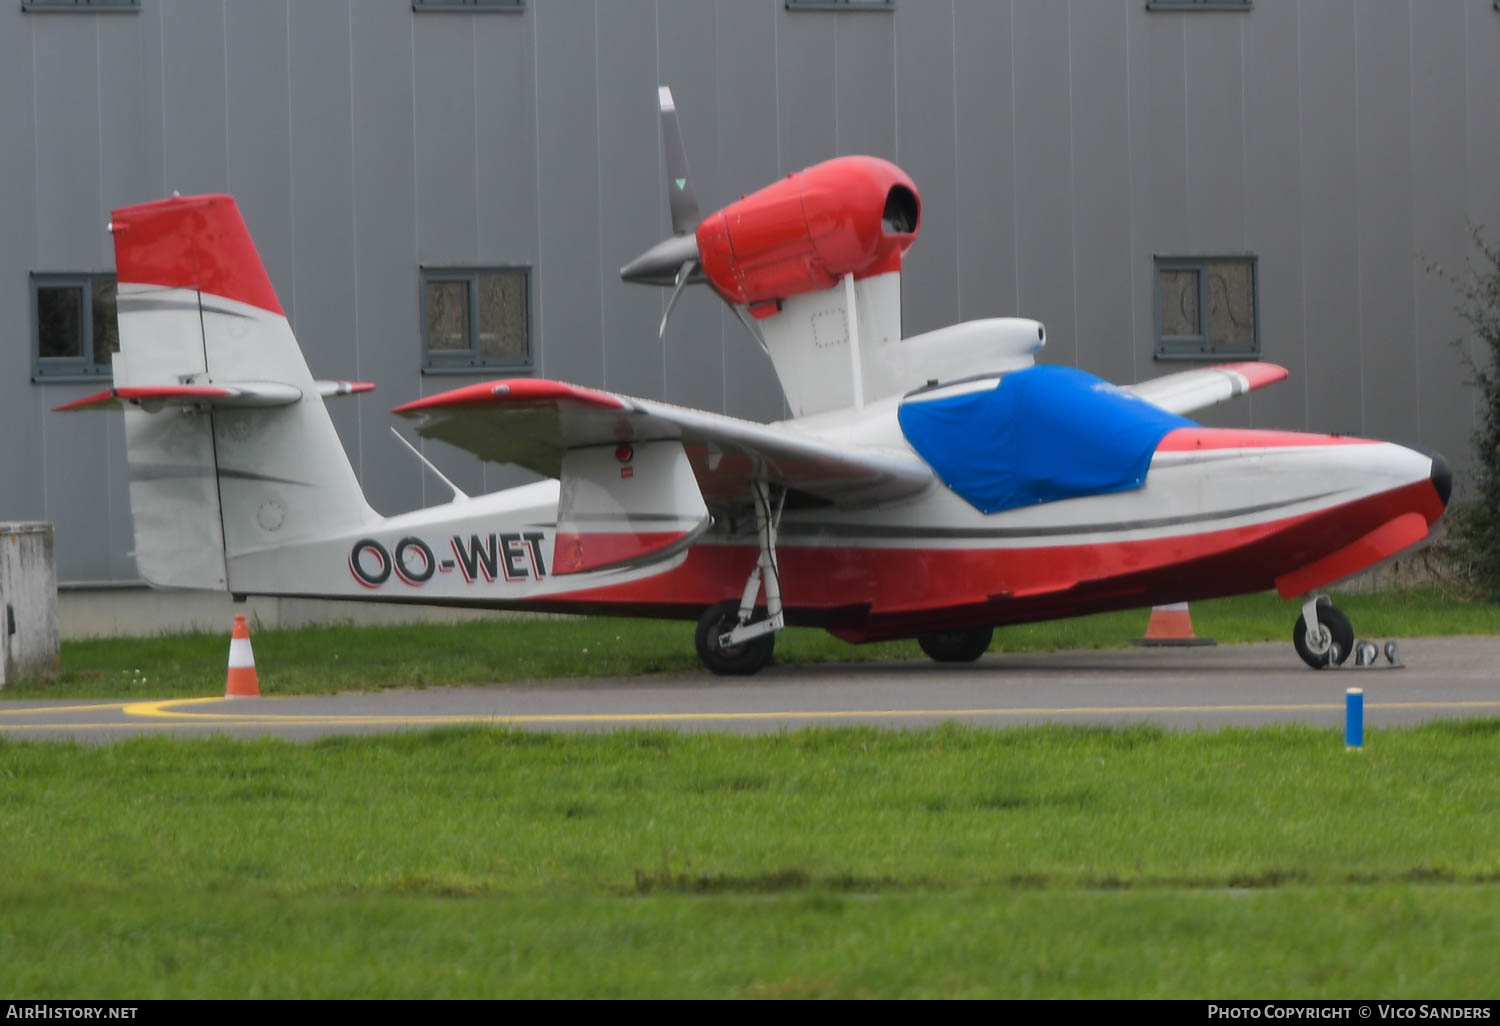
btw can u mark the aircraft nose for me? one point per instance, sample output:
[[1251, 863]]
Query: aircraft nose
[[1442, 478]]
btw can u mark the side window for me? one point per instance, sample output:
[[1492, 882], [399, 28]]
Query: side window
[[1207, 308], [74, 331], [476, 317]]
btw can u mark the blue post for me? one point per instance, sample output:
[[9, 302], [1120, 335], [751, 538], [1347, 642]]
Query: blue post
[[1354, 718]]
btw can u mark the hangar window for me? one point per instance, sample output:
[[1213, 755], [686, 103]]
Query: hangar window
[[841, 5], [474, 317], [74, 333], [1207, 308], [468, 5], [85, 6], [1198, 5]]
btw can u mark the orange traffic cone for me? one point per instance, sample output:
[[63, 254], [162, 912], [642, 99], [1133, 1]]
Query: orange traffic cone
[[1171, 625], [241, 682]]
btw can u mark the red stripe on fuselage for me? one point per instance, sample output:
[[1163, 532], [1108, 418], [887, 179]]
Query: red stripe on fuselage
[[1194, 438], [865, 593], [575, 552]]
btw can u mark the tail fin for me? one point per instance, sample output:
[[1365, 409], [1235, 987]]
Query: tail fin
[[229, 447]]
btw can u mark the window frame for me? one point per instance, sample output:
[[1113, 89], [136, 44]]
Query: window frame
[[1200, 5], [1202, 346], [80, 6], [86, 366], [468, 6], [884, 6], [471, 360]]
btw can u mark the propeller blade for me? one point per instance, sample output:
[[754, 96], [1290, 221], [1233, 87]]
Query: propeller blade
[[739, 311], [683, 274], [681, 196]]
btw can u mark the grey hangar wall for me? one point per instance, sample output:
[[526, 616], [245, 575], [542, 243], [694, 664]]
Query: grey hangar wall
[[1060, 147]]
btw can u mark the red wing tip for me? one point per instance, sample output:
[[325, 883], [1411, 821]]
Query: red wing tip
[[1258, 374], [97, 399], [511, 392], [341, 387]]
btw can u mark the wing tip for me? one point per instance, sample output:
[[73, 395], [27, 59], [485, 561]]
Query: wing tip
[[510, 392], [103, 398], [1257, 373]]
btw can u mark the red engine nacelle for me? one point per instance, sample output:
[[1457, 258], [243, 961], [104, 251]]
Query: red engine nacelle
[[851, 214]]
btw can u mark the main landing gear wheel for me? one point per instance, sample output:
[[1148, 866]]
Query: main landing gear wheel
[[957, 646], [1332, 643], [734, 660]]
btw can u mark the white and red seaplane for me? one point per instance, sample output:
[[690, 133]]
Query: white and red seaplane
[[931, 487]]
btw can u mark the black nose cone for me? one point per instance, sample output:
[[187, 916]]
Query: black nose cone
[[1442, 478]]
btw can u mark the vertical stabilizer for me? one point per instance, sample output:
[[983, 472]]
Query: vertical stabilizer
[[219, 476]]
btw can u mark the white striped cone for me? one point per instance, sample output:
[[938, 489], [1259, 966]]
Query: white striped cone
[[242, 682], [1171, 625]]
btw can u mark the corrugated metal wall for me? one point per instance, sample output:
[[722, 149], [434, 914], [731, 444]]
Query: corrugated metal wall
[[1058, 146]]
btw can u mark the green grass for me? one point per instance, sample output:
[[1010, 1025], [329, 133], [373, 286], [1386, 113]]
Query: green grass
[[1035, 862], [324, 660]]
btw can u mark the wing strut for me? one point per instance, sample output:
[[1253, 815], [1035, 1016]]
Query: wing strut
[[767, 522]]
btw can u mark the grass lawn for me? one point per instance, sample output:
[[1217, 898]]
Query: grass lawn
[[1036, 862], [324, 660]]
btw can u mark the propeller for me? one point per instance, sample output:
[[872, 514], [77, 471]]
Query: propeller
[[673, 262]]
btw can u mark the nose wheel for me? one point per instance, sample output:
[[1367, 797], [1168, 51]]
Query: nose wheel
[[1322, 635]]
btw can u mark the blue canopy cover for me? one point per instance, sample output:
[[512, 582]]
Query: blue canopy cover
[[1041, 434]]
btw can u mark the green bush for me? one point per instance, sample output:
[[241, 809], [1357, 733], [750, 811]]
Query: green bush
[[1474, 525]]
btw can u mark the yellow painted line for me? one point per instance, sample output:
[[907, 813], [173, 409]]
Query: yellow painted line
[[165, 714], [159, 711], [60, 709], [116, 725], [154, 708]]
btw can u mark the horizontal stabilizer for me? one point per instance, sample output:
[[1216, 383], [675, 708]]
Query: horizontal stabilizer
[[534, 422], [1192, 390], [236, 394], [152, 397]]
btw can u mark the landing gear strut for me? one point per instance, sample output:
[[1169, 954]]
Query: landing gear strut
[[734, 638], [1322, 635]]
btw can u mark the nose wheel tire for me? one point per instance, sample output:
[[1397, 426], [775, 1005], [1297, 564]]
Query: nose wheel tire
[[735, 660], [1331, 649], [957, 646]]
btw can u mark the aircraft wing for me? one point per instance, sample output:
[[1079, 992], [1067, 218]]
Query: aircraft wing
[[1192, 390], [535, 422]]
